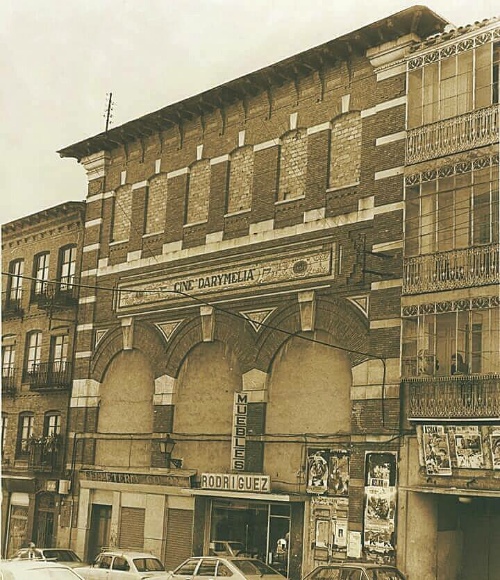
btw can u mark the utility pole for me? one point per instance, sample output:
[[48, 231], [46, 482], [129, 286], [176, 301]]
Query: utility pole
[[109, 108]]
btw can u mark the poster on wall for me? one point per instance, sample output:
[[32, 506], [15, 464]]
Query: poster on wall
[[322, 533], [380, 469], [338, 483], [495, 449], [340, 535], [380, 516], [317, 470], [436, 450], [468, 447]]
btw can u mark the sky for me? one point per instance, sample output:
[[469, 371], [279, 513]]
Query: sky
[[61, 58]]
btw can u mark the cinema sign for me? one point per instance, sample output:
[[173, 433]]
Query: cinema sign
[[307, 264], [236, 482]]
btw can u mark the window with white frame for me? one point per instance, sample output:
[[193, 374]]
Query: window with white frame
[[453, 85], [25, 432], [451, 343], [59, 352], [52, 424], [16, 271], [453, 212], [33, 351], [8, 360], [41, 273], [67, 268]]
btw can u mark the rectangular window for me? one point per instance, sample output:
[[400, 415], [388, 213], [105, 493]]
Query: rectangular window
[[453, 86], [24, 434], [16, 280], [68, 268], [34, 351], [8, 360], [52, 424], [462, 342], [41, 274], [59, 352]]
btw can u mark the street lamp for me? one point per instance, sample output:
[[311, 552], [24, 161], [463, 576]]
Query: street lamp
[[166, 447]]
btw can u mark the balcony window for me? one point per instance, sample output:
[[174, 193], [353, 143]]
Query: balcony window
[[33, 351], [453, 212], [8, 360], [15, 284], [67, 268], [4, 431], [24, 434], [52, 424], [41, 274], [452, 343], [453, 85]]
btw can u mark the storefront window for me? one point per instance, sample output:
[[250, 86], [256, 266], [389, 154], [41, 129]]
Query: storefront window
[[254, 529]]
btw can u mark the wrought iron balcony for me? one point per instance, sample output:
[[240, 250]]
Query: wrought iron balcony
[[44, 453], [56, 295], [12, 304], [457, 397], [468, 131], [475, 266], [53, 375], [9, 379]]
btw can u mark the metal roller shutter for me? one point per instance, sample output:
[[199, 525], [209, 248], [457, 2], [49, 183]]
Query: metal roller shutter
[[132, 528], [179, 537]]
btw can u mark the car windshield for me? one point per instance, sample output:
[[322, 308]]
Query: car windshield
[[61, 555], [254, 567], [148, 565]]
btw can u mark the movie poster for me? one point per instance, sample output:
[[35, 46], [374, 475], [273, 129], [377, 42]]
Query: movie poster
[[380, 469], [339, 473], [436, 450], [495, 449], [468, 447], [317, 470], [380, 516]]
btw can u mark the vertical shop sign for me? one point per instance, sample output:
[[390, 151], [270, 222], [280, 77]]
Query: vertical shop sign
[[380, 504], [239, 435], [495, 449], [468, 447], [436, 450]]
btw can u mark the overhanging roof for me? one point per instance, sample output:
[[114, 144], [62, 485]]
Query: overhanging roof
[[417, 19]]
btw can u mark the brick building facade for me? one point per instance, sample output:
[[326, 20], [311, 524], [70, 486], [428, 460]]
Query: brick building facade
[[41, 256], [241, 298]]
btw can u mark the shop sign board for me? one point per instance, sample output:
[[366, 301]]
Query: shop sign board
[[136, 478], [238, 439], [236, 482]]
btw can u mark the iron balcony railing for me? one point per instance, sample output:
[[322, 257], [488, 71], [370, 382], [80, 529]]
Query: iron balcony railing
[[51, 375], [9, 381], [456, 397], [12, 303], [467, 131], [464, 268], [55, 294], [44, 453]]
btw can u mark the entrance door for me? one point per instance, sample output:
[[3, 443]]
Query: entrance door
[[99, 530], [44, 532], [279, 537]]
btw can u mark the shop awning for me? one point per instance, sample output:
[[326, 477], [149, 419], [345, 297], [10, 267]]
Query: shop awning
[[249, 495]]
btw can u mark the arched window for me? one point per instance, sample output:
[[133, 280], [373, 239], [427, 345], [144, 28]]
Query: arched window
[[15, 283], [52, 424]]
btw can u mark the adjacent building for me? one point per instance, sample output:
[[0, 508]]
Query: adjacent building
[[237, 364], [41, 256], [450, 307]]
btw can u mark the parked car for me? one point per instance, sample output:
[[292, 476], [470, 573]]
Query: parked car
[[210, 567], [61, 555], [36, 569], [230, 548], [355, 571], [124, 565]]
